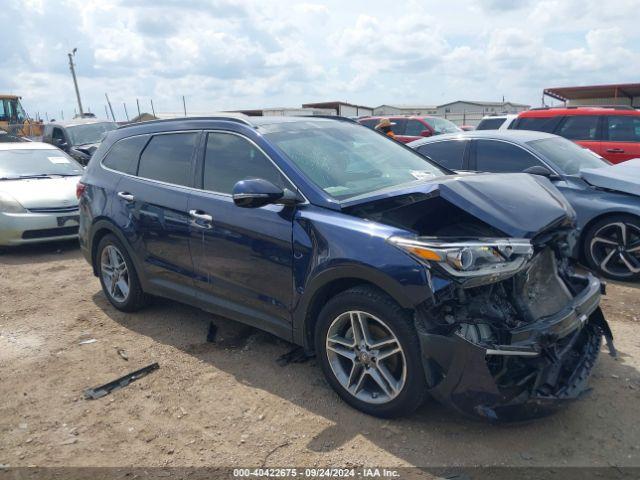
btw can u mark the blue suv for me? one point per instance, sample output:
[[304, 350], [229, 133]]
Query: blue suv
[[403, 278]]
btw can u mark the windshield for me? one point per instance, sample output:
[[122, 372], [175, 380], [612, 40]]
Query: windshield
[[90, 132], [441, 125], [347, 160], [21, 163], [568, 157]]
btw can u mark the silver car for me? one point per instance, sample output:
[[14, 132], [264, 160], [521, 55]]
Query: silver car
[[37, 193]]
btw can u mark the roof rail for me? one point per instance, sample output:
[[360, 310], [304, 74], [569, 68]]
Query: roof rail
[[571, 107], [217, 117], [339, 118]]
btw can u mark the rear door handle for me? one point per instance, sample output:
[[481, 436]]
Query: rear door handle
[[126, 196], [615, 150], [200, 215]]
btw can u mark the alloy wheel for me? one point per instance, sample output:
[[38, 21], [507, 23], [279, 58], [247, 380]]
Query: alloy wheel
[[615, 248], [366, 357], [115, 274]]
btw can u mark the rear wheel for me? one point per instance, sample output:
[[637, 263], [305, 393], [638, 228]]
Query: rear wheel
[[118, 276], [612, 247], [370, 354]]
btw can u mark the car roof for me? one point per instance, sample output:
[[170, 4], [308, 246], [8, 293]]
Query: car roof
[[27, 146], [79, 121], [517, 136], [503, 117], [595, 110], [378, 117]]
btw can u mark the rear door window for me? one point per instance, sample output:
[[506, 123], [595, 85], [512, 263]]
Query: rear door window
[[538, 124], [502, 157], [124, 155], [623, 128], [449, 154], [230, 158], [414, 128], [168, 158], [579, 127]]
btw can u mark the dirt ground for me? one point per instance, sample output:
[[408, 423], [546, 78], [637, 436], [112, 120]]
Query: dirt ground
[[230, 404]]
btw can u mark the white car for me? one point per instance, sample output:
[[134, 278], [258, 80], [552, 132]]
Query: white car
[[496, 122], [37, 193]]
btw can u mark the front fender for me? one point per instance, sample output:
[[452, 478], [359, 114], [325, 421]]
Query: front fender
[[329, 247]]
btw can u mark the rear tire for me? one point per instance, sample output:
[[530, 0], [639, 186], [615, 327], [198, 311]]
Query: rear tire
[[612, 247], [378, 372], [118, 275]]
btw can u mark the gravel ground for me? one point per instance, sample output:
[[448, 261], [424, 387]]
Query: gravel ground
[[230, 404]]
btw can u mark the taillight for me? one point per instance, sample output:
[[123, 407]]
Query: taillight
[[80, 189]]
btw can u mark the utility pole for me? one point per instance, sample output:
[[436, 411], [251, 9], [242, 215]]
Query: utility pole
[[184, 105], [75, 80], [110, 107], [138, 103], [126, 114], [153, 110]]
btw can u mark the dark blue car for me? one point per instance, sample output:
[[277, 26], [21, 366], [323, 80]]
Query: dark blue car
[[606, 197], [401, 277]]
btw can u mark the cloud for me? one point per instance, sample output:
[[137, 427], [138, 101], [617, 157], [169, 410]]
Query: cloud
[[231, 54]]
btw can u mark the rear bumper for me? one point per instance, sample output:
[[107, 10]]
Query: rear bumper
[[546, 365], [26, 228]]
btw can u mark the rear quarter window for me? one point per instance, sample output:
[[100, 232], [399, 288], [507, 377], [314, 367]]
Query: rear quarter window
[[124, 154], [490, 124]]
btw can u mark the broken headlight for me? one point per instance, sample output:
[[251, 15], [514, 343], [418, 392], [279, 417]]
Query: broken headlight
[[491, 257]]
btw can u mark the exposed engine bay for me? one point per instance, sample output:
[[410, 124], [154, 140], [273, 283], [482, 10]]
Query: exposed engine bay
[[512, 330]]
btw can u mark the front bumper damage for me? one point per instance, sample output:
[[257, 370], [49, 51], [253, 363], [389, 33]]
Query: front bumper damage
[[525, 372]]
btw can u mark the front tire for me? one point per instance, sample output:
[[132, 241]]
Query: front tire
[[118, 275], [612, 247], [370, 354]]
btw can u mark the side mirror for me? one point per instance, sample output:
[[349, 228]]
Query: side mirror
[[540, 170], [256, 192], [60, 143], [426, 133]]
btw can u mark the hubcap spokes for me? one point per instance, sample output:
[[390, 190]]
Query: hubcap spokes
[[366, 357], [616, 249], [115, 273]]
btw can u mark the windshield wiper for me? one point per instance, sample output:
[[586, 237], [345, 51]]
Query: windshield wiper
[[40, 175]]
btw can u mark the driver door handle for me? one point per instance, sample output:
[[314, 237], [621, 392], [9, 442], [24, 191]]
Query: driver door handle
[[126, 196], [615, 150], [200, 215]]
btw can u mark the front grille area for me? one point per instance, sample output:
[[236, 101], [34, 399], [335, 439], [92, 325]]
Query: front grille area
[[73, 208], [50, 232]]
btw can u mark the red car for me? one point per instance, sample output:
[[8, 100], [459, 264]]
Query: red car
[[611, 132], [408, 129]]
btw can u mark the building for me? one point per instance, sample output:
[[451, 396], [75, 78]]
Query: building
[[286, 112], [617, 94], [342, 108], [405, 110], [486, 108]]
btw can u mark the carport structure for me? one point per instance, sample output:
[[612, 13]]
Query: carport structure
[[616, 94]]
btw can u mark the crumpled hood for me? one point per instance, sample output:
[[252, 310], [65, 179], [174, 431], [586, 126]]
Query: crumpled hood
[[42, 192], [518, 204], [623, 177]]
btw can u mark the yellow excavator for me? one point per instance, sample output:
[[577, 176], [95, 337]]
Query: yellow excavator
[[14, 120]]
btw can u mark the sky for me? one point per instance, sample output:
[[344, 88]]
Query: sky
[[233, 54]]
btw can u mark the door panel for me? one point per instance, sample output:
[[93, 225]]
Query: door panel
[[242, 256], [622, 138], [157, 216], [243, 259]]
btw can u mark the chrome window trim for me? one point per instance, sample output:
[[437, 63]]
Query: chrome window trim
[[200, 190]]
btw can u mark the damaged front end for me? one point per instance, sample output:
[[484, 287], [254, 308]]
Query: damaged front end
[[517, 340], [512, 331]]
